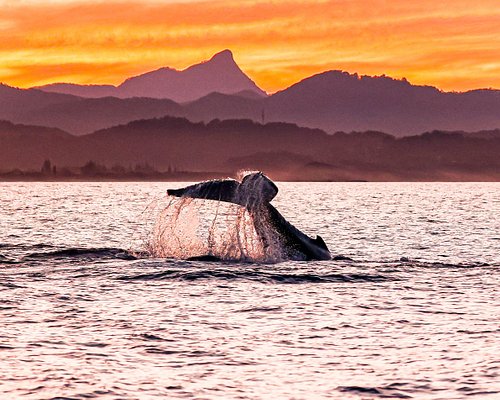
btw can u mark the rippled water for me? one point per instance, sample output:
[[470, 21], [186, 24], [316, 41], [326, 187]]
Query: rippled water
[[411, 310]]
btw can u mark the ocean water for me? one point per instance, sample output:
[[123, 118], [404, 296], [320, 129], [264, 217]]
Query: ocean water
[[410, 310]]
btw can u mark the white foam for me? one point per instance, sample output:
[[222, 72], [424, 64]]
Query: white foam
[[187, 227]]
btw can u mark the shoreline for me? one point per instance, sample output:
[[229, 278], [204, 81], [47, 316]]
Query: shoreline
[[200, 178]]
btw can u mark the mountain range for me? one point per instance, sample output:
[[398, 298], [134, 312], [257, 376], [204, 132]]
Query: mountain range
[[218, 89], [283, 150]]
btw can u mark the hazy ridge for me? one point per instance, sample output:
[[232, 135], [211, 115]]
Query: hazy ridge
[[285, 151]]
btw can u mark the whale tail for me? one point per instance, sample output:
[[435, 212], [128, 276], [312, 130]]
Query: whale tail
[[220, 190], [253, 190]]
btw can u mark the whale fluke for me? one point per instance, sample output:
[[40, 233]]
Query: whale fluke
[[255, 192]]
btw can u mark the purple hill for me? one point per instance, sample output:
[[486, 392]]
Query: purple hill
[[219, 74]]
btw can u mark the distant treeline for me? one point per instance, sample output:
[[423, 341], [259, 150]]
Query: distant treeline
[[159, 148], [94, 171]]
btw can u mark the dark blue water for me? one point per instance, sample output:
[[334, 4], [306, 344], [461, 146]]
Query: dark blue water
[[410, 310]]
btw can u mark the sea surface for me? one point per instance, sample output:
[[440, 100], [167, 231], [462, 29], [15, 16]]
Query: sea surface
[[409, 307]]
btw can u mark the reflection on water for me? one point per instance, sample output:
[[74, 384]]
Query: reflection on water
[[411, 310]]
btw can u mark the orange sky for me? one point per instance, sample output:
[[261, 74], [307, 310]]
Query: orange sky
[[451, 44]]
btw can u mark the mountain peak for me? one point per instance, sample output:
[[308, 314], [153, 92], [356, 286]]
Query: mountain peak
[[218, 74], [224, 55]]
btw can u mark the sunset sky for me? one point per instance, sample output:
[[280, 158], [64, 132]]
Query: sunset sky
[[451, 44]]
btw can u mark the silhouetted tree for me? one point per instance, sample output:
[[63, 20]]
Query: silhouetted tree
[[46, 167], [118, 169], [93, 169], [65, 171], [144, 168]]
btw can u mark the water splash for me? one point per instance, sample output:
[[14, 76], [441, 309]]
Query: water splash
[[187, 227]]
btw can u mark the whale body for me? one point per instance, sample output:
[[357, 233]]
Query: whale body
[[255, 192]]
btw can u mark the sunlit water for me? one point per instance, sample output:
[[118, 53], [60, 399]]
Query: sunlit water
[[413, 314]]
